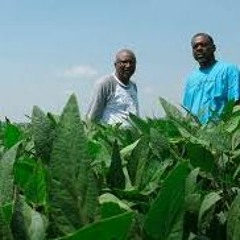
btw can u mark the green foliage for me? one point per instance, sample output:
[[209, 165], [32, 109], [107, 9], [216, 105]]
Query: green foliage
[[233, 230], [72, 187], [5, 221], [137, 161], [6, 175], [12, 135], [165, 217], [30, 177], [166, 178], [209, 202], [110, 205], [27, 223], [42, 133], [116, 227], [115, 176], [200, 157]]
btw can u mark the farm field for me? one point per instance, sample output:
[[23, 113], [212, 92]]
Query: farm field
[[167, 179]]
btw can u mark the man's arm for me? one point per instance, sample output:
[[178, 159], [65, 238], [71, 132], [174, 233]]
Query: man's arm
[[98, 102], [234, 84]]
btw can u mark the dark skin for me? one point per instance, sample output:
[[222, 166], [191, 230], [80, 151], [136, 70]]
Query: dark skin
[[203, 50], [125, 65]]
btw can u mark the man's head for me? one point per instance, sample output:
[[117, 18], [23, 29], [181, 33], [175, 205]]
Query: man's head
[[125, 65], [203, 49]]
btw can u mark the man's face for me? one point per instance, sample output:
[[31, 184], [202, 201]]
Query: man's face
[[125, 66], [203, 50]]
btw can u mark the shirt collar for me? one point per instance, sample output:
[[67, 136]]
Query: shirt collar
[[122, 84]]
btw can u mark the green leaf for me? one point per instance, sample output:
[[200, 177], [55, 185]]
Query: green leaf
[[216, 138], [137, 162], [31, 177], [27, 223], [236, 172], [12, 135], [129, 148], [236, 139], [139, 123], [165, 217], [73, 191], [6, 175], [38, 225], [228, 110], [170, 110], [116, 228], [110, 205], [18, 224], [233, 220], [232, 124], [115, 176], [43, 133], [5, 221], [200, 157], [191, 181], [153, 174], [208, 202], [159, 144]]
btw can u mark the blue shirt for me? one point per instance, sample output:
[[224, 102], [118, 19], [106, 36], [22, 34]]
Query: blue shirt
[[208, 90]]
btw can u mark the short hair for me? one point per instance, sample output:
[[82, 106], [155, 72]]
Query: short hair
[[125, 50], [206, 35]]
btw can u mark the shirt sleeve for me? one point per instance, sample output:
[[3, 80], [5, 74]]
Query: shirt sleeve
[[137, 102], [98, 102], [186, 97], [233, 83]]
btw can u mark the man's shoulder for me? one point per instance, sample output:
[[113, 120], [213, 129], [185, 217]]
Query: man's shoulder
[[227, 65], [106, 82], [192, 75], [106, 79]]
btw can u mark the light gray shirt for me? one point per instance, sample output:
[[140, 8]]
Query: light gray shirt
[[112, 101]]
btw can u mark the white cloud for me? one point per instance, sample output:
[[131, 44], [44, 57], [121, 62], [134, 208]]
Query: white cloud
[[80, 71]]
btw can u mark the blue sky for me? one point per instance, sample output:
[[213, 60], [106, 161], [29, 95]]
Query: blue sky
[[50, 49]]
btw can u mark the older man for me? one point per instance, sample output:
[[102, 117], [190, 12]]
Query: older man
[[209, 87], [115, 95]]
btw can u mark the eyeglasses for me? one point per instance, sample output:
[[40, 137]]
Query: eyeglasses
[[126, 62]]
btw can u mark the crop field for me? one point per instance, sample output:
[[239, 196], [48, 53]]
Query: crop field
[[167, 179]]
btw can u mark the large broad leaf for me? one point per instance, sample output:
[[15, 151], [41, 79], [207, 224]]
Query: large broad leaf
[[192, 197], [200, 157], [215, 137], [12, 135], [233, 220], [27, 223], [110, 205], [159, 144], [30, 176], [191, 181], [73, 191], [116, 228], [208, 203], [126, 151], [139, 123], [137, 161], [115, 176], [236, 139], [165, 217], [5, 220], [6, 175], [170, 110], [43, 133], [228, 110]]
